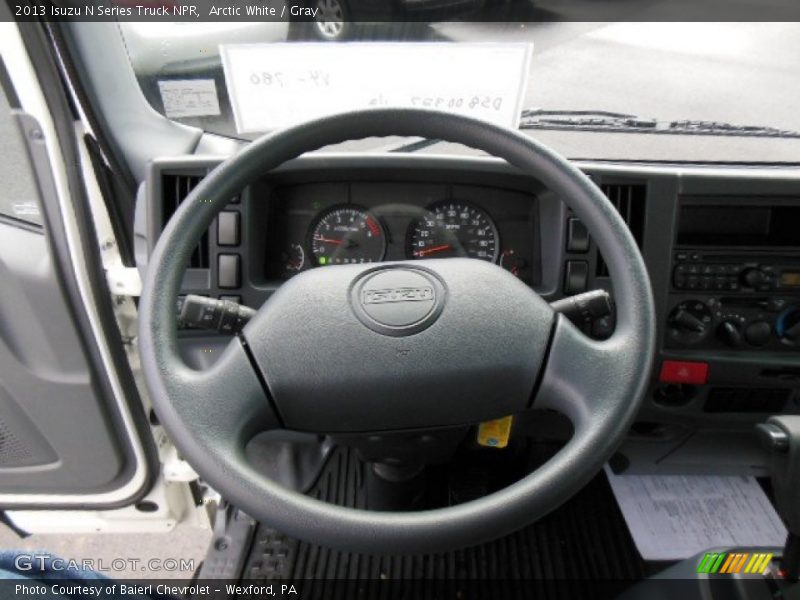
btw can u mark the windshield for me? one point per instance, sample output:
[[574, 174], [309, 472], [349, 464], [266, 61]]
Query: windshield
[[685, 91]]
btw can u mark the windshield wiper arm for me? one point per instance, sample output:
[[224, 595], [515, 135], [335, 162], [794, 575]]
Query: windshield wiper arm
[[617, 122], [601, 120], [695, 127], [589, 120]]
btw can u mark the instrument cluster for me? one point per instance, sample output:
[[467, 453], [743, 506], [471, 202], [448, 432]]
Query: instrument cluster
[[310, 229]]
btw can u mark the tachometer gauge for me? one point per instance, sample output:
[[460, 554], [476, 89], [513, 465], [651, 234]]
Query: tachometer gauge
[[453, 229], [347, 235]]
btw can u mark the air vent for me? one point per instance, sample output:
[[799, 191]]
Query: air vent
[[629, 200], [175, 188]]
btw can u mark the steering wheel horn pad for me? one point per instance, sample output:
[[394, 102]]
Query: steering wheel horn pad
[[479, 336], [323, 355]]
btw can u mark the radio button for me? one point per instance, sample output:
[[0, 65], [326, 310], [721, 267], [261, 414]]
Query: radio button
[[753, 278]]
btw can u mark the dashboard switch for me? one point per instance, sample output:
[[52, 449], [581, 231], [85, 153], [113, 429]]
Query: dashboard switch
[[228, 271], [677, 371], [576, 277], [228, 229], [577, 236]]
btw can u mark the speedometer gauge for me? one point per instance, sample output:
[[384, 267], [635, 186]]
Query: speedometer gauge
[[453, 228], [347, 235]]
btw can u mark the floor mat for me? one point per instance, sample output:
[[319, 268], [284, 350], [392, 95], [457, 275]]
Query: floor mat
[[581, 550]]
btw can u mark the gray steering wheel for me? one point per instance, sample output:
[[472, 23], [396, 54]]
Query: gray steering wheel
[[428, 343]]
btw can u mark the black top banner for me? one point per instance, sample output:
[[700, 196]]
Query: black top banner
[[377, 11]]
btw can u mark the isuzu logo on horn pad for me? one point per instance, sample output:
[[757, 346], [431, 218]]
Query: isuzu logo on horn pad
[[398, 301], [418, 294]]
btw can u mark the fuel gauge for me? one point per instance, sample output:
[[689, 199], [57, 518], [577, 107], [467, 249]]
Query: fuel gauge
[[293, 259]]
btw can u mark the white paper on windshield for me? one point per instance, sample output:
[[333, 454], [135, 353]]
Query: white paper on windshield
[[189, 97], [673, 516], [275, 85]]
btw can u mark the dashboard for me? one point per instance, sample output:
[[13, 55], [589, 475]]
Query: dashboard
[[721, 245]]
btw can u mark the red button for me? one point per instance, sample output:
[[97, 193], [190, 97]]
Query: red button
[[677, 371]]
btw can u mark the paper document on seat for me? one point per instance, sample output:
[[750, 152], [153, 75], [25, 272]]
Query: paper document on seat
[[674, 516]]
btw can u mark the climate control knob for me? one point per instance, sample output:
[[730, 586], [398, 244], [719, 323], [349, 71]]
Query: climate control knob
[[689, 322], [787, 326], [730, 333], [758, 333]]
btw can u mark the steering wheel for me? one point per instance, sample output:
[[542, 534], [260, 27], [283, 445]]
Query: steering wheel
[[396, 346]]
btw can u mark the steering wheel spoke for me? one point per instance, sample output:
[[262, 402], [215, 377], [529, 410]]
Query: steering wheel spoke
[[584, 379], [226, 401]]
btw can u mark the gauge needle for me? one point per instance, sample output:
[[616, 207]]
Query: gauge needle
[[319, 238], [433, 250]]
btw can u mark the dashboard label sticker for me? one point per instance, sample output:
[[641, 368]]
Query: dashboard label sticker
[[495, 434], [277, 85], [189, 98]]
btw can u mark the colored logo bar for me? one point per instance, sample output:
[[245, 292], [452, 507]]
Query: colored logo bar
[[734, 562]]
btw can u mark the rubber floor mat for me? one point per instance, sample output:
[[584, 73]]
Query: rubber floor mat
[[581, 550]]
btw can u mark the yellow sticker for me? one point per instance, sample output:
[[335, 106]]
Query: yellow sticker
[[495, 433]]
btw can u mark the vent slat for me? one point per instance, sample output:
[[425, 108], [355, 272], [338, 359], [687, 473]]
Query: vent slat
[[629, 200], [176, 199], [176, 187]]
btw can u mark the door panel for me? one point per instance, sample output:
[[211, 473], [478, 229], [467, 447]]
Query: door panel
[[56, 435], [66, 439]]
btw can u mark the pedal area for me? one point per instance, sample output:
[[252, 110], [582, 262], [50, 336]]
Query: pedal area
[[582, 549]]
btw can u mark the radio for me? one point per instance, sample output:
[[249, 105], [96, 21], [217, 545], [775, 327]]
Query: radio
[[717, 272]]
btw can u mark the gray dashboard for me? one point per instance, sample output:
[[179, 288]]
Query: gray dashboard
[[726, 282]]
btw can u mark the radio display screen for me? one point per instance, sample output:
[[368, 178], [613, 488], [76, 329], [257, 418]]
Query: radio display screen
[[738, 225], [790, 278]]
